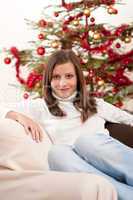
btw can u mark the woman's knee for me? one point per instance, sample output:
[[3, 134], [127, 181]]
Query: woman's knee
[[55, 152], [87, 144], [56, 156], [93, 143]]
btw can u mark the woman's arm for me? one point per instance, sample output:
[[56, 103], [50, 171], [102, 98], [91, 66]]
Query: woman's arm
[[27, 113], [30, 126], [112, 113]]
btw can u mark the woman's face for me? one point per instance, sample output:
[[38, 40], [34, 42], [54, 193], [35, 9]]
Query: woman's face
[[64, 80]]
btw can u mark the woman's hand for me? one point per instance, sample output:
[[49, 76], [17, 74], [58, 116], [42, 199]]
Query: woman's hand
[[30, 126]]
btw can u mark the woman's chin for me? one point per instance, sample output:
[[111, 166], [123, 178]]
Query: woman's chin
[[64, 96]]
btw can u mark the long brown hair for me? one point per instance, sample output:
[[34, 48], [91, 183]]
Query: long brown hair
[[82, 102]]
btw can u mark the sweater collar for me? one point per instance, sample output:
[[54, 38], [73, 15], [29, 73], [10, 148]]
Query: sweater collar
[[70, 98]]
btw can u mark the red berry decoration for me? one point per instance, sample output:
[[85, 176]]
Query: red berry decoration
[[7, 60], [41, 51], [56, 14], [42, 23], [26, 96], [41, 36], [92, 19]]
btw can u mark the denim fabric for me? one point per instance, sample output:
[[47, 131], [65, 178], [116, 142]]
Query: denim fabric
[[98, 154]]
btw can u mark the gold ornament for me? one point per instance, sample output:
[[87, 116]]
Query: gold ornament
[[55, 44], [100, 82], [87, 12], [127, 39], [50, 24], [76, 22], [38, 85], [85, 60], [25, 56], [96, 36]]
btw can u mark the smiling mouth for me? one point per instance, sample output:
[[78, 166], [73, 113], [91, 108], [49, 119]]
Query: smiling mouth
[[66, 89]]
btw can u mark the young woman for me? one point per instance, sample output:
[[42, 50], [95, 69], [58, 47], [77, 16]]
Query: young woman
[[75, 124]]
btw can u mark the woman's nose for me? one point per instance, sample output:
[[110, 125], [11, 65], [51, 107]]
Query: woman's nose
[[63, 82]]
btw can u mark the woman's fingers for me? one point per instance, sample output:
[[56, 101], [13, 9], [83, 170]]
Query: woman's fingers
[[31, 127], [40, 134], [35, 132], [27, 129]]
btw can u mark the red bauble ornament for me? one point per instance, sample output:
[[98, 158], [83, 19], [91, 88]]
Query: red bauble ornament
[[40, 51], [41, 36], [42, 23], [56, 14], [7, 60], [92, 19], [26, 96], [118, 45], [68, 6]]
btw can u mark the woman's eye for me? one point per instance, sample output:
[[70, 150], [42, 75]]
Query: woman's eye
[[69, 76], [56, 77]]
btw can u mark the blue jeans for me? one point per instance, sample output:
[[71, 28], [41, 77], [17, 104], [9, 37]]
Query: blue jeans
[[98, 154]]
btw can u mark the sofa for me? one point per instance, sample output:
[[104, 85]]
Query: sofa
[[24, 172]]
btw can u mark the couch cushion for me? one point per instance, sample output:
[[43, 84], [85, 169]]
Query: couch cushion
[[19, 151]]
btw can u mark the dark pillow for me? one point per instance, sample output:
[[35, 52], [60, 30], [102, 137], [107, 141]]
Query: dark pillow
[[122, 132]]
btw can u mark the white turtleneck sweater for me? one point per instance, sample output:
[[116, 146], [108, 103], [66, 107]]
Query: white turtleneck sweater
[[65, 130]]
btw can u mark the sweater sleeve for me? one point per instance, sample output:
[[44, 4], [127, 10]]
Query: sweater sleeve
[[113, 114]]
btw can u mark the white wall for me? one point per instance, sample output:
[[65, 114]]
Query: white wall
[[14, 32]]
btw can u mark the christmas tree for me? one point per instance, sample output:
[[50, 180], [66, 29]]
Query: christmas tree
[[106, 64]]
